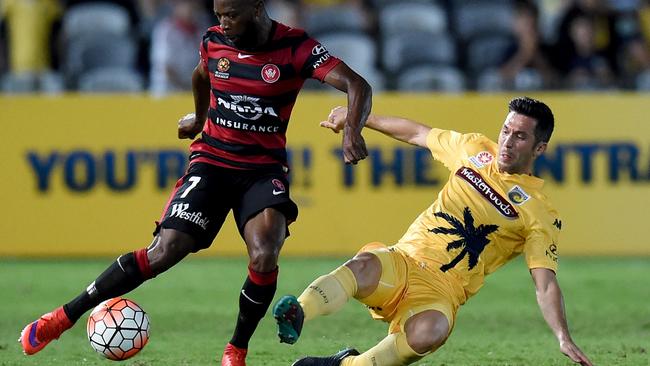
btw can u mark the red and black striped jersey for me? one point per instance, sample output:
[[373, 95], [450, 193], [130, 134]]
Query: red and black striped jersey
[[252, 95]]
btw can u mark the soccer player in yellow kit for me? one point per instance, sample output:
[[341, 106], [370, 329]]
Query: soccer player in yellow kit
[[491, 210]]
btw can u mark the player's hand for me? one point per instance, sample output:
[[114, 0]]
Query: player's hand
[[354, 146], [574, 353], [188, 126], [336, 119]]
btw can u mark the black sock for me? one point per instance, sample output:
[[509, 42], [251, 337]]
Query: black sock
[[119, 278], [254, 300]]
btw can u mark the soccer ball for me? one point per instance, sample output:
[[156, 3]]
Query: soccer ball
[[118, 328]]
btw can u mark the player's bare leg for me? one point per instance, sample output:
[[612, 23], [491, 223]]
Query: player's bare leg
[[264, 235], [127, 273]]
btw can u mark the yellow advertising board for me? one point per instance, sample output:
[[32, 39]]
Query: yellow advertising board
[[89, 175]]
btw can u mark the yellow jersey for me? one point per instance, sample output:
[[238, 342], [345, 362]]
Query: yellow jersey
[[482, 218]]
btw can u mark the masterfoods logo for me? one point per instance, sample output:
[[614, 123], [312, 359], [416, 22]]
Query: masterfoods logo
[[180, 210], [476, 181]]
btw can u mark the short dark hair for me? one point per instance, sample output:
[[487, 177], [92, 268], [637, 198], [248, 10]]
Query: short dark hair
[[539, 111]]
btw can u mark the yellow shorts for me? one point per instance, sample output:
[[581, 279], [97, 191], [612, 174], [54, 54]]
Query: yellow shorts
[[406, 289]]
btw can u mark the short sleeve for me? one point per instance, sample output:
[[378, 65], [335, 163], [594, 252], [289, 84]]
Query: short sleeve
[[203, 53], [541, 247], [448, 146], [314, 60]]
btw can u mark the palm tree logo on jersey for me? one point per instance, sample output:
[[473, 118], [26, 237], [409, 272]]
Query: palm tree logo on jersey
[[472, 239]]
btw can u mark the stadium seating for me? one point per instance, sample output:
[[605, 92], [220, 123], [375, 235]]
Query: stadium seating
[[357, 50], [486, 51], [95, 17], [97, 51], [47, 82], [412, 16], [19, 83], [386, 41], [379, 4], [431, 78], [96, 35], [111, 80], [473, 18], [374, 77], [403, 50], [345, 19], [643, 82], [491, 81]]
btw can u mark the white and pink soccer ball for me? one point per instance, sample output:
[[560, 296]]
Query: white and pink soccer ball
[[118, 329]]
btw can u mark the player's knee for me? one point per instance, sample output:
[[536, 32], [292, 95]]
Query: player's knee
[[366, 268], [426, 332], [263, 256], [426, 341], [172, 247], [264, 249]]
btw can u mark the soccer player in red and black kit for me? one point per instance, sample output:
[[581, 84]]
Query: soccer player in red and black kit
[[250, 71]]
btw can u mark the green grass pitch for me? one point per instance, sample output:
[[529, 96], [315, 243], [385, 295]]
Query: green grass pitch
[[193, 308]]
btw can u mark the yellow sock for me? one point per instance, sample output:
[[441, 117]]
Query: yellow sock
[[391, 351], [328, 293]]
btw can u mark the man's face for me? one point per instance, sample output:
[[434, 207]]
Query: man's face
[[517, 146], [238, 20]]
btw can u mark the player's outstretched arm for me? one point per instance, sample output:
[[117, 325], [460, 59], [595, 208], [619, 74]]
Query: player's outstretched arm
[[191, 124], [401, 129], [359, 104], [550, 301]]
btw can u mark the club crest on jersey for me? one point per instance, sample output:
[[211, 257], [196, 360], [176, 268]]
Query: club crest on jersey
[[270, 73], [223, 65], [481, 159], [517, 195]]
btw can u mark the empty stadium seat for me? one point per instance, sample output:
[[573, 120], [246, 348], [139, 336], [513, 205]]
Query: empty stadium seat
[[335, 19], [474, 18], [19, 83], [357, 50], [46, 82], [643, 82], [403, 50], [376, 79], [95, 17], [431, 78], [111, 80], [379, 4], [52, 83], [486, 51], [373, 76], [412, 16], [526, 80], [98, 51]]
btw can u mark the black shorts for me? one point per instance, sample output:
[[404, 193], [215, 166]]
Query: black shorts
[[206, 193]]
